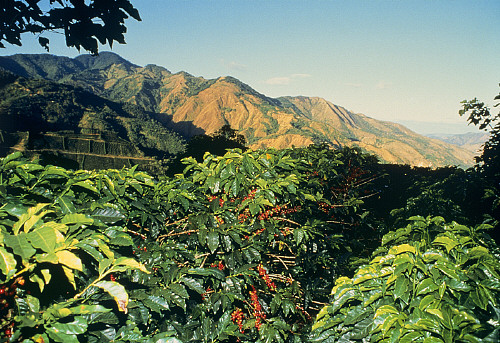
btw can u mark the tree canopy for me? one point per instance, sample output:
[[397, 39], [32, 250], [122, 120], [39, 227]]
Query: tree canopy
[[84, 23]]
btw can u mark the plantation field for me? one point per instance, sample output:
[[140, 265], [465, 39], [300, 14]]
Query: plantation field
[[294, 245]]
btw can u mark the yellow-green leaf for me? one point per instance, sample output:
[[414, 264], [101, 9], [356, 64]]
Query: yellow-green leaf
[[69, 259], [30, 218], [401, 249], [70, 275], [447, 242], [435, 312], [7, 262], [384, 310], [117, 291], [130, 262]]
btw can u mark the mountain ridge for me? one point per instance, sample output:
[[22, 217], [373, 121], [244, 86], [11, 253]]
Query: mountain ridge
[[194, 105]]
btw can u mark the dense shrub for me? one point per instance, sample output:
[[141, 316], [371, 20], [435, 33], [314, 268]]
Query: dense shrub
[[429, 282]]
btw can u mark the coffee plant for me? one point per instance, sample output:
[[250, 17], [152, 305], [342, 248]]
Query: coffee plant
[[243, 247], [428, 282], [239, 247]]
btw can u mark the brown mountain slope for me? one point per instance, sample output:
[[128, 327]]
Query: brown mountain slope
[[194, 105]]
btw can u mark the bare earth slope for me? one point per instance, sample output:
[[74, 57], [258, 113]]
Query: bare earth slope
[[193, 105]]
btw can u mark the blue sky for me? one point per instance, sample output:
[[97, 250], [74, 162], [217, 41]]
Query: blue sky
[[404, 61]]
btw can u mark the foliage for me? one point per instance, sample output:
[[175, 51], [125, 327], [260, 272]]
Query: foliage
[[452, 193], [480, 115], [243, 246], [429, 282], [217, 144], [84, 23], [63, 244], [488, 163]]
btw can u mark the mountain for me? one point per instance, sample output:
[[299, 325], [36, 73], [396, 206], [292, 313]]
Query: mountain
[[47, 118], [193, 105], [472, 141]]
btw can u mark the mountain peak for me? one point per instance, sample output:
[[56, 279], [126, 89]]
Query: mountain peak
[[193, 105], [102, 61]]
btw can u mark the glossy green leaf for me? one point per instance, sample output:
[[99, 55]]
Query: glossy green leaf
[[20, 245], [86, 184], [447, 242], [213, 240], [193, 284], [426, 286], [65, 204], [77, 218], [43, 238], [401, 249]]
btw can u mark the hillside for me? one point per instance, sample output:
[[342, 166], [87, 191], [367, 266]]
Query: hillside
[[472, 141], [46, 118], [193, 105]]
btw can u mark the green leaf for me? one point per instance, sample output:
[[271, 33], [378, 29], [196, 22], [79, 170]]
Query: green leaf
[[156, 303], [426, 286], [77, 218], [108, 215], [61, 337], [20, 245], [298, 235], [402, 288], [11, 157], [385, 309], [117, 291], [213, 240], [426, 301], [30, 218], [445, 241], [436, 312], [131, 263], [65, 204], [433, 340], [7, 263], [44, 238], [76, 327], [104, 265], [87, 184], [88, 309], [32, 303], [179, 290], [193, 284], [69, 275], [401, 249]]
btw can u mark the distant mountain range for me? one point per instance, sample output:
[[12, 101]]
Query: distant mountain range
[[472, 141], [110, 99]]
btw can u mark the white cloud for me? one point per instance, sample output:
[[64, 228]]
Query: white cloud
[[354, 85], [286, 80], [383, 85], [300, 76], [234, 65]]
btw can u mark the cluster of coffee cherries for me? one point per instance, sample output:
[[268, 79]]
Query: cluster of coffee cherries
[[237, 318], [257, 308], [7, 299], [219, 265], [263, 274], [278, 210]]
